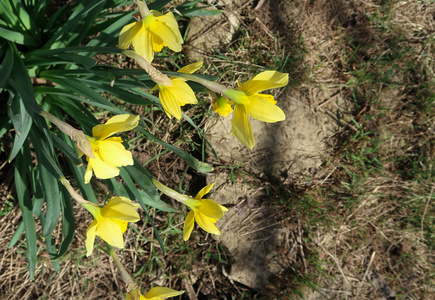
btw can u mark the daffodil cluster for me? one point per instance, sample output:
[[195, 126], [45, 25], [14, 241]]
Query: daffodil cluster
[[106, 153]]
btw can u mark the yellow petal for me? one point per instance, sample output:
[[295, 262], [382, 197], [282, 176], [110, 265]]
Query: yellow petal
[[114, 154], [111, 232], [128, 34], [267, 98], [204, 191], [90, 237], [115, 124], [241, 126], [264, 81], [162, 292], [88, 172], [172, 97], [101, 169], [169, 102], [166, 28], [183, 92], [143, 44], [261, 109], [121, 208], [192, 68], [211, 209], [188, 225], [206, 223]]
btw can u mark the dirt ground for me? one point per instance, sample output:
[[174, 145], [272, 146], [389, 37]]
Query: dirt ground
[[290, 231]]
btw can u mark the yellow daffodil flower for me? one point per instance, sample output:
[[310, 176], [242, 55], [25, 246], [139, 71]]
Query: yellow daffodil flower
[[110, 222], [204, 211], [156, 293], [179, 94], [151, 34], [109, 152], [259, 106]]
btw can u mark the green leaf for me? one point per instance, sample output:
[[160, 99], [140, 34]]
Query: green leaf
[[49, 172], [51, 247], [26, 20], [66, 149], [73, 108], [132, 189], [68, 225], [108, 33], [78, 170], [77, 26], [193, 162], [16, 237], [21, 120], [6, 67], [149, 195], [158, 4], [21, 185], [94, 98], [38, 195], [17, 37]]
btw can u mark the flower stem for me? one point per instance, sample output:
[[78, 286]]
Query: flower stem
[[143, 8], [132, 287], [76, 196]]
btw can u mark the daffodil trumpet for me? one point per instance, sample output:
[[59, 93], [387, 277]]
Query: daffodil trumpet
[[204, 211]]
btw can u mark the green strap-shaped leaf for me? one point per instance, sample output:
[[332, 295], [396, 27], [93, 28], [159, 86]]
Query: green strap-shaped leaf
[[50, 173], [158, 5], [51, 247], [149, 195], [66, 149], [73, 108], [21, 175], [109, 31], [193, 162], [78, 170], [16, 237], [68, 224], [133, 190], [17, 37], [21, 120], [85, 12], [25, 20], [6, 67], [94, 98]]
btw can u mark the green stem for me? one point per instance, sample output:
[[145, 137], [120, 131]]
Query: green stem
[[76, 196], [132, 287]]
